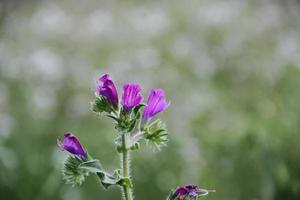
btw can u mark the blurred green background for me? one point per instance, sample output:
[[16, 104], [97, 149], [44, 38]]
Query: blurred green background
[[231, 70]]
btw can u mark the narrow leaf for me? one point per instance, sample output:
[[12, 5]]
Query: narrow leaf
[[93, 166], [137, 109]]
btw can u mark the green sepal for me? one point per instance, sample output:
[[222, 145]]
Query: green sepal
[[156, 134], [170, 195], [137, 113], [126, 121], [113, 117], [131, 125], [123, 121], [102, 104], [72, 173], [136, 110]]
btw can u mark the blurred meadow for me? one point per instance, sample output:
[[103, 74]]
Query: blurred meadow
[[231, 70]]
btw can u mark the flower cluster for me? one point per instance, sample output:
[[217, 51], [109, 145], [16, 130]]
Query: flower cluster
[[134, 123], [127, 114], [132, 118], [131, 97]]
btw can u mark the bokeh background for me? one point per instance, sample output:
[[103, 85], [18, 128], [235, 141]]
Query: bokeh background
[[231, 70]]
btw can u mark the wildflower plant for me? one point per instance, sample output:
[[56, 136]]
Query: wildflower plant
[[134, 122]]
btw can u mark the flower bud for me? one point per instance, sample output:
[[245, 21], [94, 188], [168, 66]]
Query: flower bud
[[186, 191], [156, 103], [106, 88], [72, 145], [189, 191], [132, 96]]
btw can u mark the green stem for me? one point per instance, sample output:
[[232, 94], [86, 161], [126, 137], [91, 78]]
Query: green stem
[[125, 162]]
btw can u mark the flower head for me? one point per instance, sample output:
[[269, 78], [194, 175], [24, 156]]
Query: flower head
[[72, 145], [186, 191], [106, 87], [156, 103], [191, 191], [131, 96]]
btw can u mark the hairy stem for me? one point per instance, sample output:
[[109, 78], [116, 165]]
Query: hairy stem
[[125, 163], [136, 138]]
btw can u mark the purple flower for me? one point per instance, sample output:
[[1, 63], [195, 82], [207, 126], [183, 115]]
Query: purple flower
[[186, 191], [190, 191], [107, 88], [131, 96], [156, 103], [72, 145]]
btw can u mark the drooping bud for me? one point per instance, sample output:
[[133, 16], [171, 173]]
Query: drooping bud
[[72, 145]]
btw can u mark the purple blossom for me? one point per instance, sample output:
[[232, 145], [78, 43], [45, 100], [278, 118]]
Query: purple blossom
[[156, 103], [106, 87], [186, 191], [72, 145], [131, 96]]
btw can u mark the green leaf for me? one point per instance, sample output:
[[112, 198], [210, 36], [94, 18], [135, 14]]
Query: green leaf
[[108, 180], [76, 169], [92, 166]]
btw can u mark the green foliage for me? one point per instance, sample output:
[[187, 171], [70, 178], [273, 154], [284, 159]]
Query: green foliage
[[76, 170], [106, 179], [93, 166]]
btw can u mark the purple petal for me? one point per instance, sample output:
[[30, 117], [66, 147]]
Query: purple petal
[[180, 192], [193, 194], [131, 96], [106, 87], [72, 145], [156, 103]]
